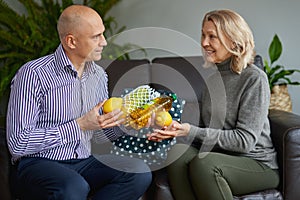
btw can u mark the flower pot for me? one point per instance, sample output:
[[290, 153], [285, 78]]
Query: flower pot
[[280, 98]]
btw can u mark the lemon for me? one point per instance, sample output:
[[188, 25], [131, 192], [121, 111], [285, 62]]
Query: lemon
[[163, 118], [112, 104]]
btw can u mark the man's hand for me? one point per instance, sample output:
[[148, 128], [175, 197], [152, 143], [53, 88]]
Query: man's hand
[[92, 120]]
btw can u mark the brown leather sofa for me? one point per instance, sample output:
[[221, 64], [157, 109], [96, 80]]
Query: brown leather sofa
[[184, 76]]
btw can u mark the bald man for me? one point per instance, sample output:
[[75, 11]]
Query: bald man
[[54, 111]]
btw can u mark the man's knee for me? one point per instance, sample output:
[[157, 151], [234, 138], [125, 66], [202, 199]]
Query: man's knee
[[75, 188], [141, 181]]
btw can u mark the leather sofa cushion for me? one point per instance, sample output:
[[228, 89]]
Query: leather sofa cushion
[[271, 194]]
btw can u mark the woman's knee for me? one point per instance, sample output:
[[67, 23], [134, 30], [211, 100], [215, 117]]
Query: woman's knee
[[205, 172], [206, 167], [206, 163], [181, 154]]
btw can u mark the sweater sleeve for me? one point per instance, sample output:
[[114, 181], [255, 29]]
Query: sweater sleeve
[[250, 118]]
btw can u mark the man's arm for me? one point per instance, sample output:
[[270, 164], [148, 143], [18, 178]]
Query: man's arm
[[25, 131]]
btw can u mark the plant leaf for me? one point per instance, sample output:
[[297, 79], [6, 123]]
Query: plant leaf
[[275, 49], [273, 70], [24, 37]]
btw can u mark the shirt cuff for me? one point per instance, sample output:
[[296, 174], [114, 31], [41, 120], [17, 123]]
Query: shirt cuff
[[69, 132]]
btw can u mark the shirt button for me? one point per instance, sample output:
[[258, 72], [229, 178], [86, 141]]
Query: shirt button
[[76, 155]]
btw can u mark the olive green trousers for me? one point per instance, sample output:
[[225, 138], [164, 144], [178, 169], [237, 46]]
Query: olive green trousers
[[215, 176]]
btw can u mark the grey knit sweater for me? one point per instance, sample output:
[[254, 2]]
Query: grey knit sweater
[[234, 114]]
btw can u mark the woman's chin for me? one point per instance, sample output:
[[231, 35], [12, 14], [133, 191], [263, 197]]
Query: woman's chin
[[209, 59]]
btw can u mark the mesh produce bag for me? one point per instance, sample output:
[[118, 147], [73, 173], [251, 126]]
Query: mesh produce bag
[[139, 97]]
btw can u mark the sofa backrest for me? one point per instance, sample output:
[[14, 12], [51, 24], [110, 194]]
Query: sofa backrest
[[181, 75], [184, 76], [125, 74]]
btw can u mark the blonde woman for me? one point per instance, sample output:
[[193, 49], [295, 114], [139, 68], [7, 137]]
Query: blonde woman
[[233, 121]]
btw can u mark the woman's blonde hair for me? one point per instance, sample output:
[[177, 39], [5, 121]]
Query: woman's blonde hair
[[231, 25]]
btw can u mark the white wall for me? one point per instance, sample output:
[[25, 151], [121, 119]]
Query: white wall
[[265, 17]]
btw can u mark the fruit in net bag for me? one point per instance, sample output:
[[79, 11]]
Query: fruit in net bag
[[136, 98], [139, 117], [139, 97], [112, 103], [163, 118], [139, 105]]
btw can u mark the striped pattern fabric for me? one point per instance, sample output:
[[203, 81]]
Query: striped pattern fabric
[[46, 98]]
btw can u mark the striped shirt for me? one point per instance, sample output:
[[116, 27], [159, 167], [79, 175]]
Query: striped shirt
[[46, 98]]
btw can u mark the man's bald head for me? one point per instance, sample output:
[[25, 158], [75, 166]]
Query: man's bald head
[[73, 18]]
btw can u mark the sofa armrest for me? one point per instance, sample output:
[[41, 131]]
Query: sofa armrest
[[4, 166], [285, 132]]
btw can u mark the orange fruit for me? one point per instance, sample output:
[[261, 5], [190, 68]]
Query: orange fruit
[[112, 103], [163, 118]]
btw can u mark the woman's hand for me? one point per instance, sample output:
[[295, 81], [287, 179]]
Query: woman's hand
[[174, 130], [92, 120]]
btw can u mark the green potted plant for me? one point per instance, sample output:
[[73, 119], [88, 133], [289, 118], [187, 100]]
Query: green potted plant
[[279, 77], [27, 36]]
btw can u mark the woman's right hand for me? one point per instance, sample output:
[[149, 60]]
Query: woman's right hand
[[174, 130]]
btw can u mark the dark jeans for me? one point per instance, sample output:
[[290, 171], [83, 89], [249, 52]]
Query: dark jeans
[[77, 179], [216, 176]]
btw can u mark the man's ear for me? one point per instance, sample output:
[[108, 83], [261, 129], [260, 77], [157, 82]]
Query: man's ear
[[70, 41]]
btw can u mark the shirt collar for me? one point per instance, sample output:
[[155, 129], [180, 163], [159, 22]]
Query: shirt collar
[[63, 63]]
